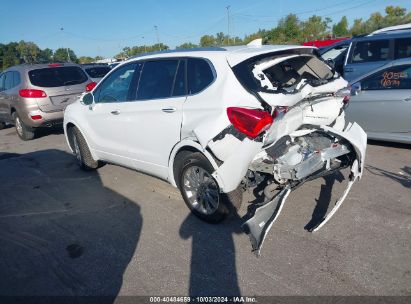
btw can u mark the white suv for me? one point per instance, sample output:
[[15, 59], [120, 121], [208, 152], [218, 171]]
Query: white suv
[[210, 120]]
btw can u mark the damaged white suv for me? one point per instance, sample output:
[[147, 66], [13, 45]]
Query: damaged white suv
[[212, 121]]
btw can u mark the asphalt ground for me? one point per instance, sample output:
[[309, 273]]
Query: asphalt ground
[[119, 232]]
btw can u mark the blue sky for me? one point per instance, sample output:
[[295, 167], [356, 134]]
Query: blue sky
[[92, 27]]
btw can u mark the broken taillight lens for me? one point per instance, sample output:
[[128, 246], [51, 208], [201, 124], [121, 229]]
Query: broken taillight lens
[[280, 111], [251, 122]]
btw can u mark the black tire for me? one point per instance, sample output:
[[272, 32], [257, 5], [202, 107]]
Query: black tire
[[227, 202], [81, 150], [2, 125], [23, 131]]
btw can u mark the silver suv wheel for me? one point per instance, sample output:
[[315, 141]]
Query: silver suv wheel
[[201, 190]]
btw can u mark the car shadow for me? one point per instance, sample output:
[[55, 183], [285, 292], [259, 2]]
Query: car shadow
[[62, 232], [324, 199], [388, 144], [213, 267], [403, 178], [55, 130]]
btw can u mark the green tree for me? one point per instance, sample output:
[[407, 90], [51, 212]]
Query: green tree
[[207, 40], [187, 45], [45, 55], [340, 29], [65, 55], [28, 51], [315, 28]]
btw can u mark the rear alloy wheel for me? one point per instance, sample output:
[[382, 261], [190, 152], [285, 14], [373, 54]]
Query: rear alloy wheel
[[82, 151], [200, 190], [23, 131]]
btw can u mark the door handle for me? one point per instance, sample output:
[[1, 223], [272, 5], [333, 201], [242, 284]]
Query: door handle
[[115, 112], [169, 110]]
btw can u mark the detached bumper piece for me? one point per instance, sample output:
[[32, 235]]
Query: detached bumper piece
[[265, 214]]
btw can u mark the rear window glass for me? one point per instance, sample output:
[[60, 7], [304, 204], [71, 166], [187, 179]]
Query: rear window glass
[[402, 48], [368, 51], [97, 72], [57, 77]]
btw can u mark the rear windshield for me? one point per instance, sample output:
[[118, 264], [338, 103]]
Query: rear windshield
[[97, 72], [282, 73], [57, 76]]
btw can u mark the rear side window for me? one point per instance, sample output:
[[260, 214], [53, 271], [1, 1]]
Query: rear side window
[[97, 72], [398, 77], [369, 51], [402, 48], [16, 79], [157, 79], [199, 74], [57, 76]]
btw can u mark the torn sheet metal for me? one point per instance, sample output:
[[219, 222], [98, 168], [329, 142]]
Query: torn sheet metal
[[234, 168], [260, 224]]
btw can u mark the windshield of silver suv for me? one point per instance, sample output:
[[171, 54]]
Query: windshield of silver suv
[[57, 76]]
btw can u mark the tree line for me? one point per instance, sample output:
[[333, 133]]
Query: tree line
[[289, 30]]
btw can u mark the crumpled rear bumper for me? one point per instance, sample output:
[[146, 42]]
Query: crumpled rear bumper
[[265, 214]]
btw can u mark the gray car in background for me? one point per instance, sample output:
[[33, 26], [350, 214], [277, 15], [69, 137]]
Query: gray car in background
[[381, 102], [370, 52], [35, 95]]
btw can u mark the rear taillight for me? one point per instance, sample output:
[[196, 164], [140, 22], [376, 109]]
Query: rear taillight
[[36, 117], [251, 122], [31, 93], [90, 86]]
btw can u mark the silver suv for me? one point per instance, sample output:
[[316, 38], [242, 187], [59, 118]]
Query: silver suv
[[35, 95]]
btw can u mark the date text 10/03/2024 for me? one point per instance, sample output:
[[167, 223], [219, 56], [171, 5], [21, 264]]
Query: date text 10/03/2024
[[203, 299]]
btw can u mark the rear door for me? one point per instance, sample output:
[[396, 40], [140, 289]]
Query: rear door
[[384, 102], [365, 56], [62, 84]]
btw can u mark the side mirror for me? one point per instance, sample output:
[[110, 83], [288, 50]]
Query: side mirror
[[356, 89], [87, 99]]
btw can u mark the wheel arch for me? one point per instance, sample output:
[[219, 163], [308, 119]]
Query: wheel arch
[[67, 127], [186, 145]]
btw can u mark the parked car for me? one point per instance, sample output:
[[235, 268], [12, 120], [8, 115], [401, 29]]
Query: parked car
[[381, 102], [113, 64], [336, 53], [370, 52], [210, 120], [35, 95], [96, 71]]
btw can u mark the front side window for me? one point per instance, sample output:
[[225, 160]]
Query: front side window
[[199, 75], [157, 79], [369, 51], [398, 77], [180, 81], [402, 48], [117, 86], [57, 76], [2, 78]]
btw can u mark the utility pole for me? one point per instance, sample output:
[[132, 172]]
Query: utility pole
[[68, 54], [145, 50], [158, 39], [228, 23]]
